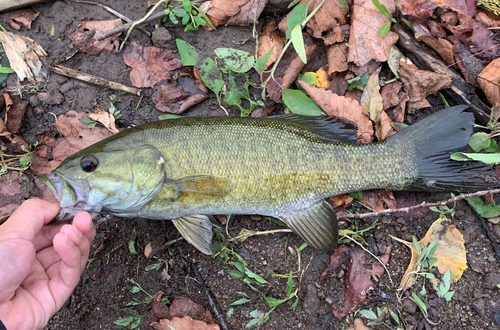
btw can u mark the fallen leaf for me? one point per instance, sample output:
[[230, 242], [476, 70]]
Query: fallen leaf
[[339, 200], [407, 199], [372, 101], [106, 119], [365, 42], [179, 95], [326, 23], [386, 128], [248, 13], [358, 325], [160, 310], [269, 38], [288, 69], [336, 83], [25, 57], [185, 323], [378, 199], [9, 193], [22, 18], [16, 107], [340, 106], [488, 19], [489, 81], [222, 10], [358, 279], [263, 111], [442, 46], [83, 36], [420, 83], [390, 94], [337, 57], [450, 253], [149, 64]]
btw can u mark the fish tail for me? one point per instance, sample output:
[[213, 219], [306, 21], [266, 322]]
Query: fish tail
[[434, 139]]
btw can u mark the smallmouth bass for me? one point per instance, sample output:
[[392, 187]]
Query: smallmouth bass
[[187, 169]]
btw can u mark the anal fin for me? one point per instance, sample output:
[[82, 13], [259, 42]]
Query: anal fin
[[197, 230], [318, 226]]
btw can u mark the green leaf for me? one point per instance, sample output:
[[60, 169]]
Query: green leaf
[[239, 302], [289, 285], [254, 313], [408, 23], [189, 54], [449, 295], [211, 76], [368, 313], [381, 8], [394, 315], [295, 303], [302, 247], [135, 323], [293, 3], [131, 242], [4, 62], [86, 120], [419, 302], [235, 59], [490, 159], [24, 162], [235, 273], [486, 210], [384, 29], [359, 82], [200, 21], [300, 104], [272, 302], [186, 4], [298, 43], [155, 266], [297, 16], [179, 12], [230, 312], [124, 322], [185, 19], [479, 141], [254, 276], [172, 17], [6, 70], [252, 323], [135, 289], [260, 65], [169, 116]]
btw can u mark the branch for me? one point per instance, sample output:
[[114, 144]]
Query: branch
[[423, 204]]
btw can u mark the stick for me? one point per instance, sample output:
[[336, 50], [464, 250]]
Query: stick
[[125, 27], [210, 300], [6, 5], [63, 71], [490, 235], [426, 59], [423, 204], [112, 11]]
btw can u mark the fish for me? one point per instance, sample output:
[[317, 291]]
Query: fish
[[188, 169]]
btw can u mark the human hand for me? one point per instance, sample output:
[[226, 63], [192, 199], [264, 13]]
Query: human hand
[[40, 265]]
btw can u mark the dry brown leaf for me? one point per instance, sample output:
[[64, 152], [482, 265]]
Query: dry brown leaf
[[359, 325], [106, 119], [358, 279], [288, 69], [83, 36], [340, 106], [378, 199], [248, 13], [9, 192], [149, 64], [22, 18], [25, 57], [450, 253], [390, 94], [488, 19], [326, 23], [442, 46], [16, 107], [270, 37], [185, 323], [489, 81], [386, 128], [337, 57], [421, 83], [365, 42], [372, 103], [339, 200], [221, 10], [177, 97]]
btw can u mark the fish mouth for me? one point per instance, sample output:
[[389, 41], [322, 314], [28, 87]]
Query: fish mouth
[[71, 194]]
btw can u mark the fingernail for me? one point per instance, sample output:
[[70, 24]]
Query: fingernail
[[70, 242], [78, 233]]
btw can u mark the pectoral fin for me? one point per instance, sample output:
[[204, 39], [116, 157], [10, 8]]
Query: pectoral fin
[[197, 230], [203, 184], [318, 226]]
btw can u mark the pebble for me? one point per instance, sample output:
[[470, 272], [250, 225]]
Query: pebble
[[66, 87], [61, 79], [478, 306], [33, 100], [459, 213], [409, 306], [162, 38], [320, 262], [38, 111], [51, 99], [496, 231], [491, 280], [311, 303]]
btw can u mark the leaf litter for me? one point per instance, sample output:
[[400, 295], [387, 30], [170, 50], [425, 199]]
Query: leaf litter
[[83, 36]]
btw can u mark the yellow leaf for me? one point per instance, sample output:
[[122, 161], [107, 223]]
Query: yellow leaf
[[318, 79], [450, 254]]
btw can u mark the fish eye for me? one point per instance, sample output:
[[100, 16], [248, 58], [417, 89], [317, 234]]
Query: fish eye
[[89, 163]]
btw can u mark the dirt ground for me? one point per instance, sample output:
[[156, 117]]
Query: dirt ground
[[103, 292]]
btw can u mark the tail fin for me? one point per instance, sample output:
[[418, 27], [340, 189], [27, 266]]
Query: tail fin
[[435, 138]]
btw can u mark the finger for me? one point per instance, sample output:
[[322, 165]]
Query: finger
[[27, 221], [46, 235], [48, 257], [83, 222], [63, 284]]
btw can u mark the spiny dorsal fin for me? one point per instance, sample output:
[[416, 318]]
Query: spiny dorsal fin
[[197, 230], [318, 226], [326, 128]]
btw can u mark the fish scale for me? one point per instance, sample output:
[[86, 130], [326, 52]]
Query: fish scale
[[185, 169]]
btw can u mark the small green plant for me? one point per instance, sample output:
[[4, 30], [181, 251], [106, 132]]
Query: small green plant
[[377, 319], [112, 110], [358, 82], [387, 27], [18, 163], [157, 265], [131, 242], [132, 321], [253, 280], [189, 13], [443, 290], [498, 286], [444, 209]]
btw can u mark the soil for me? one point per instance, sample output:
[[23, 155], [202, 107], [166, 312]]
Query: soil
[[104, 290]]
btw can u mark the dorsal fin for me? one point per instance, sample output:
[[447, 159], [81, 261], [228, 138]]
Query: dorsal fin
[[326, 128]]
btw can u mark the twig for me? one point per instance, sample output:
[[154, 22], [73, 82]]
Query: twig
[[423, 204], [210, 300], [125, 27], [93, 79], [377, 258], [490, 235], [112, 11]]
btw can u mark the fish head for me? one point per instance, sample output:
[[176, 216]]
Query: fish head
[[112, 181]]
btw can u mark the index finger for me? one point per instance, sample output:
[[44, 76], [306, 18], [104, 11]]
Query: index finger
[[27, 221]]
